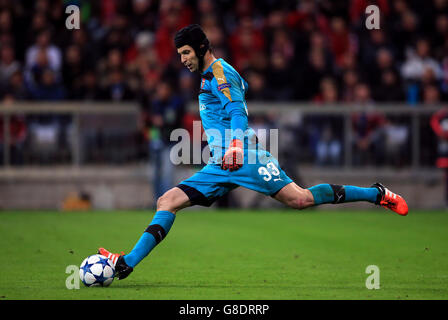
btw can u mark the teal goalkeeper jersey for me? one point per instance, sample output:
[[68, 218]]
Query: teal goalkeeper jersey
[[220, 85]]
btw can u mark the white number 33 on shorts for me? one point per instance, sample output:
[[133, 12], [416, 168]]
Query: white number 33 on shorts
[[269, 171]]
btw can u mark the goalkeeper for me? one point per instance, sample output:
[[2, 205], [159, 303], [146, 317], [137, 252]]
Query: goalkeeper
[[236, 158]]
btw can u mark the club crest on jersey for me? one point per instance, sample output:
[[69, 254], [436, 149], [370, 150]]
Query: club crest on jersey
[[222, 86], [202, 83]]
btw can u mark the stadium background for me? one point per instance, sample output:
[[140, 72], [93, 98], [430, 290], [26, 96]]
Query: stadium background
[[86, 114]]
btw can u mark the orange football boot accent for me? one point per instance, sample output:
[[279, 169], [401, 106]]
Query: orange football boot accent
[[112, 256], [391, 200]]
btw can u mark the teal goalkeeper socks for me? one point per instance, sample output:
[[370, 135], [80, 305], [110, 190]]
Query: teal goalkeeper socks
[[330, 193], [156, 232]]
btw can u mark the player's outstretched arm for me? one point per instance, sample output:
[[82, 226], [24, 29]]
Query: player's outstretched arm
[[234, 157]]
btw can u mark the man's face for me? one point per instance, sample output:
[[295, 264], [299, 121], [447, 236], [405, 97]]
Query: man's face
[[188, 58]]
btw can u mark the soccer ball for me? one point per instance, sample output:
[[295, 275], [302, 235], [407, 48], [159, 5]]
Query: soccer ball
[[97, 270]]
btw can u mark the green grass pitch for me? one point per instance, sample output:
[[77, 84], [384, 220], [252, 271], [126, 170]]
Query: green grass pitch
[[232, 254]]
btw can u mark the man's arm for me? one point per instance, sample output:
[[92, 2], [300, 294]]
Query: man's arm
[[238, 119], [234, 157], [226, 86]]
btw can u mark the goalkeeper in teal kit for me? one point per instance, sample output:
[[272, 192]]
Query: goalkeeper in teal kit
[[236, 158]]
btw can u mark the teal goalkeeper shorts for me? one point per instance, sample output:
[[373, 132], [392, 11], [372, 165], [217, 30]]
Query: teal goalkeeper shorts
[[212, 182]]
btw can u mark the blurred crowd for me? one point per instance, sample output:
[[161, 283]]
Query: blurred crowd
[[316, 51], [287, 50]]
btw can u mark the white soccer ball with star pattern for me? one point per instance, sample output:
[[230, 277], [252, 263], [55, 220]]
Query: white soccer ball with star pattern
[[97, 270]]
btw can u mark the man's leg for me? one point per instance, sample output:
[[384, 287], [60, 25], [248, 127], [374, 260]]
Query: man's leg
[[298, 198], [295, 197], [167, 205]]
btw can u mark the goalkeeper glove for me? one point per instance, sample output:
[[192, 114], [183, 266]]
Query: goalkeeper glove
[[234, 156]]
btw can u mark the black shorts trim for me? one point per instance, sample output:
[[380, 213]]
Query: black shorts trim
[[196, 197]]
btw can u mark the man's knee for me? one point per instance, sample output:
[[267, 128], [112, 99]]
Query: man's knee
[[303, 199], [173, 200], [161, 201], [296, 204], [166, 201]]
